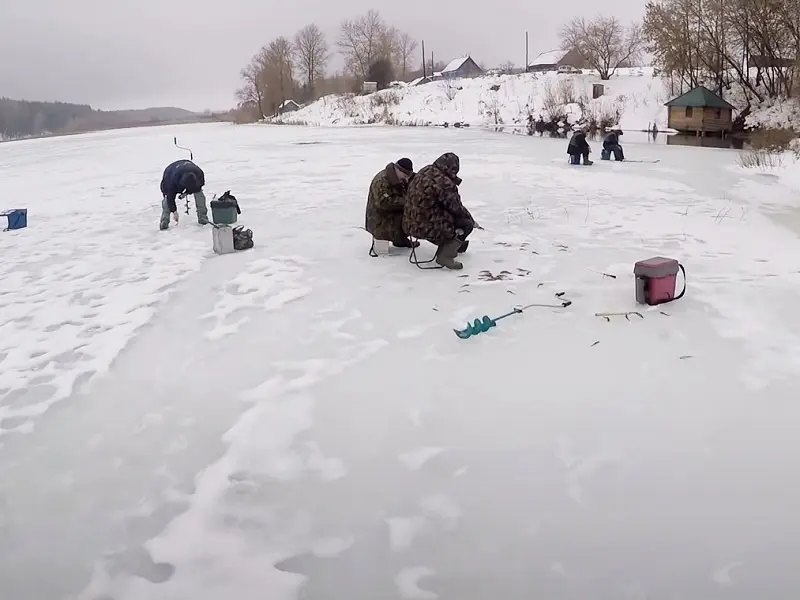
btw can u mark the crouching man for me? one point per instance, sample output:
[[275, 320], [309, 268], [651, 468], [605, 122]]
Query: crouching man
[[578, 148], [386, 201], [611, 146], [182, 177], [434, 211]]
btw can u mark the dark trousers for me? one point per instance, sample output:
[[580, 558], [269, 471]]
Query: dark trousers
[[575, 159], [616, 149]]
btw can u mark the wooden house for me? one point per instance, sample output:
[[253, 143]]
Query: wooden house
[[700, 111], [288, 106], [550, 61], [461, 67]]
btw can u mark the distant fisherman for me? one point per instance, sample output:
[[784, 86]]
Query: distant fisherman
[[611, 144], [182, 177], [579, 148]]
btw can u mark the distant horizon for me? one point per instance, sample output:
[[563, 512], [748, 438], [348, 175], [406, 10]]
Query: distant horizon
[[120, 107]]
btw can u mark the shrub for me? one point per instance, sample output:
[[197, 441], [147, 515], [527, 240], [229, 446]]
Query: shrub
[[449, 87], [566, 91], [552, 104], [763, 159], [385, 98], [602, 115], [346, 104]]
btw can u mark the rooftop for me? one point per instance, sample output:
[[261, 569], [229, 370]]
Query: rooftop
[[699, 97], [455, 64], [548, 58]]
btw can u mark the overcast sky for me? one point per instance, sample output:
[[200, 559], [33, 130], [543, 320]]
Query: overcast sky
[[136, 53]]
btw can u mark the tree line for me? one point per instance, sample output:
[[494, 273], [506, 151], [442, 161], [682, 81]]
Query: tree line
[[751, 43], [296, 68], [20, 118]]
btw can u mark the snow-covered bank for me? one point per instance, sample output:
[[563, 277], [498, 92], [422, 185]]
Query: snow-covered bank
[[633, 98], [775, 113]]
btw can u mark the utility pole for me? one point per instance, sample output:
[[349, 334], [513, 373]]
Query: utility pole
[[526, 51], [423, 59]]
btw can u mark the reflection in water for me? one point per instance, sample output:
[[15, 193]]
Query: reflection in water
[[732, 142]]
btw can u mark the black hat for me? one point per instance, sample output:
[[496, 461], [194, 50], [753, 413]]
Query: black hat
[[405, 165]]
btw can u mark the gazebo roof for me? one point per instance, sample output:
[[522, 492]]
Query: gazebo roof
[[699, 97]]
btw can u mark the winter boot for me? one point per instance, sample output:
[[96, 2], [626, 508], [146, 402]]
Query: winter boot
[[405, 243], [447, 254], [587, 162], [163, 224], [464, 246], [202, 209]]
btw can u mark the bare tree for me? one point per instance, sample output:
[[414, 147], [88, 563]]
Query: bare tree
[[406, 46], [254, 89], [753, 43], [507, 67], [390, 46], [361, 42], [605, 43], [278, 72], [311, 55]]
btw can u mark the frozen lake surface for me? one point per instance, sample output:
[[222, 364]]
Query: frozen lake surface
[[300, 421]]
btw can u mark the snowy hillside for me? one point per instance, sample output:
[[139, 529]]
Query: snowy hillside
[[633, 98]]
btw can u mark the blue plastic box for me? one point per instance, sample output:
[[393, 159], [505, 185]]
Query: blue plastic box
[[17, 218]]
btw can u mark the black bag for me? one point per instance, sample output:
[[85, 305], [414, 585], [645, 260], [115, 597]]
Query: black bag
[[242, 238], [227, 200]]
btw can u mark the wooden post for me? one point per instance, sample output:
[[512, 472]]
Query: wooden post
[[423, 59]]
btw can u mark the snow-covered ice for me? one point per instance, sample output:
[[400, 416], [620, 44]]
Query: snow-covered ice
[[299, 420]]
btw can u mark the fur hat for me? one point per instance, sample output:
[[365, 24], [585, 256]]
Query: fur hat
[[405, 165]]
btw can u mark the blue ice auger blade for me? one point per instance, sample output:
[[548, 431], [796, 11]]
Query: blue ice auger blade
[[478, 326], [483, 325]]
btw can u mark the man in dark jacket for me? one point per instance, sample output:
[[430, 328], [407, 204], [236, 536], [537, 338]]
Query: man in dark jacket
[[611, 144], [434, 211], [182, 177], [578, 147], [386, 201]]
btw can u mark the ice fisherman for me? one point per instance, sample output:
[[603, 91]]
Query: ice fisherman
[[434, 211], [611, 145], [182, 177], [386, 201], [579, 148]]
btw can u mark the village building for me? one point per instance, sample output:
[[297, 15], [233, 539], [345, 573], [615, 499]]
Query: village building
[[288, 106], [464, 66], [700, 111], [552, 60]]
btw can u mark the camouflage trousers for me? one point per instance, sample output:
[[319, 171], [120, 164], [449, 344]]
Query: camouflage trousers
[[199, 204]]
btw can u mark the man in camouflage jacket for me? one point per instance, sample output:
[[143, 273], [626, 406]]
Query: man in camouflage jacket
[[386, 201], [434, 211]]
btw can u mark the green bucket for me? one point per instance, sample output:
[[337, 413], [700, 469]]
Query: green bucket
[[223, 213]]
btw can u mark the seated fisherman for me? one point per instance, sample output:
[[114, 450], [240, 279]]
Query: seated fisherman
[[386, 201], [434, 211]]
